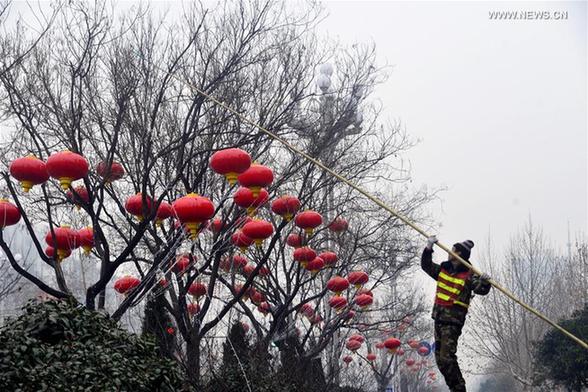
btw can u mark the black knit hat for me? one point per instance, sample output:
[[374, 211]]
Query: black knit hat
[[464, 248]]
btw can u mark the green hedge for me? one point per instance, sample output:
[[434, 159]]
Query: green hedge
[[56, 346]]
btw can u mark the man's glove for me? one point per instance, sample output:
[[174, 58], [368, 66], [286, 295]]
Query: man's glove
[[430, 241], [483, 279]]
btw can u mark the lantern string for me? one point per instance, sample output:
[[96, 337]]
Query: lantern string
[[379, 203]]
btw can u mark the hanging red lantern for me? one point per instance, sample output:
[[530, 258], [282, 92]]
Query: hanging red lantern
[[244, 198], [67, 166], [337, 285], [364, 300], [338, 225], [112, 173], [371, 357], [337, 302], [391, 344], [258, 230], [81, 194], [358, 278], [126, 283], [424, 351], [171, 330], [230, 163], [400, 352], [264, 271], [264, 308], [86, 238], [197, 289], [237, 289], [410, 362], [308, 220], [238, 261], [134, 206], [330, 258], [240, 240], [193, 308], [316, 319], [365, 291], [29, 171], [353, 345], [349, 315], [294, 240], [163, 282], [413, 344], [216, 225], [315, 265], [164, 211], [286, 207], [192, 210], [9, 214], [380, 345], [347, 359], [50, 252], [256, 177], [304, 255], [248, 269], [182, 264], [64, 241], [256, 296], [357, 337], [307, 310]]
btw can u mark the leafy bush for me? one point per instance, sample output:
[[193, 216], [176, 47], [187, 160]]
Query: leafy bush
[[56, 346]]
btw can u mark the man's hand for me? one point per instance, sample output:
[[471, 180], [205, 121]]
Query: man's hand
[[483, 279], [430, 241]]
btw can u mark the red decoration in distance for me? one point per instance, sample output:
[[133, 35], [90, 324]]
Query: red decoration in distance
[[115, 172], [286, 206], [134, 206]]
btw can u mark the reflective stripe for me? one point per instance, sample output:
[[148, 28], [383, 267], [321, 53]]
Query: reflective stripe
[[448, 288], [444, 297], [461, 304], [451, 279]]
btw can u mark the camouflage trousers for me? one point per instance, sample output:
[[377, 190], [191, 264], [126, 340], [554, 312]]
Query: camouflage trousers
[[446, 336]]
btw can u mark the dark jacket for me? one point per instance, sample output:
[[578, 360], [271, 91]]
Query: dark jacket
[[455, 314]]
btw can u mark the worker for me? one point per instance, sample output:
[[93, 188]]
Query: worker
[[455, 284]]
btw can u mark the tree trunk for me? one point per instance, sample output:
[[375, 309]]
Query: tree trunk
[[193, 365]]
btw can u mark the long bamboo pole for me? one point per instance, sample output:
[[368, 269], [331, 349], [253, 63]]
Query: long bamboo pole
[[385, 207]]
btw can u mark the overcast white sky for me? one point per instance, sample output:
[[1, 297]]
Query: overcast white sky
[[500, 108]]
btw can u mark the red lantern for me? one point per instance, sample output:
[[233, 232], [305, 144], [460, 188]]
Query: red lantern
[[64, 241], [264, 271], [81, 194], [337, 284], [315, 265], [193, 308], [230, 163], [392, 344], [380, 345], [216, 226], [307, 310], [337, 302], [126, 283], [330, 258], [86, 238], [197, 289], [364, 300], [410, 362], [244, 198], [353, 345], [256, 296], [115, 172], [286, 207], [347, 359], [371, 357], [237, 289], [423, 351], [294, 240], [248, 269], [358, 278], [240, 240], [192, 210], [29, 171], [365, 291], [413, 344], [134, 206], [304, 255], [182, 264], [400, 352], [349, 315], [163, 282], [308, 220], [258, 230], [171, 331], [238, 261], [164, 211], [9, 214], [67, 166], [50, 252], [338, 225], [264, 308], [256, 177], [357, 337]]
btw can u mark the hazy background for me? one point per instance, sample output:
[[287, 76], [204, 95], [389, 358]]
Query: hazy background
[[499, 108]]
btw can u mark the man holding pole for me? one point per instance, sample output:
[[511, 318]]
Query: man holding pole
[[455, 284]]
